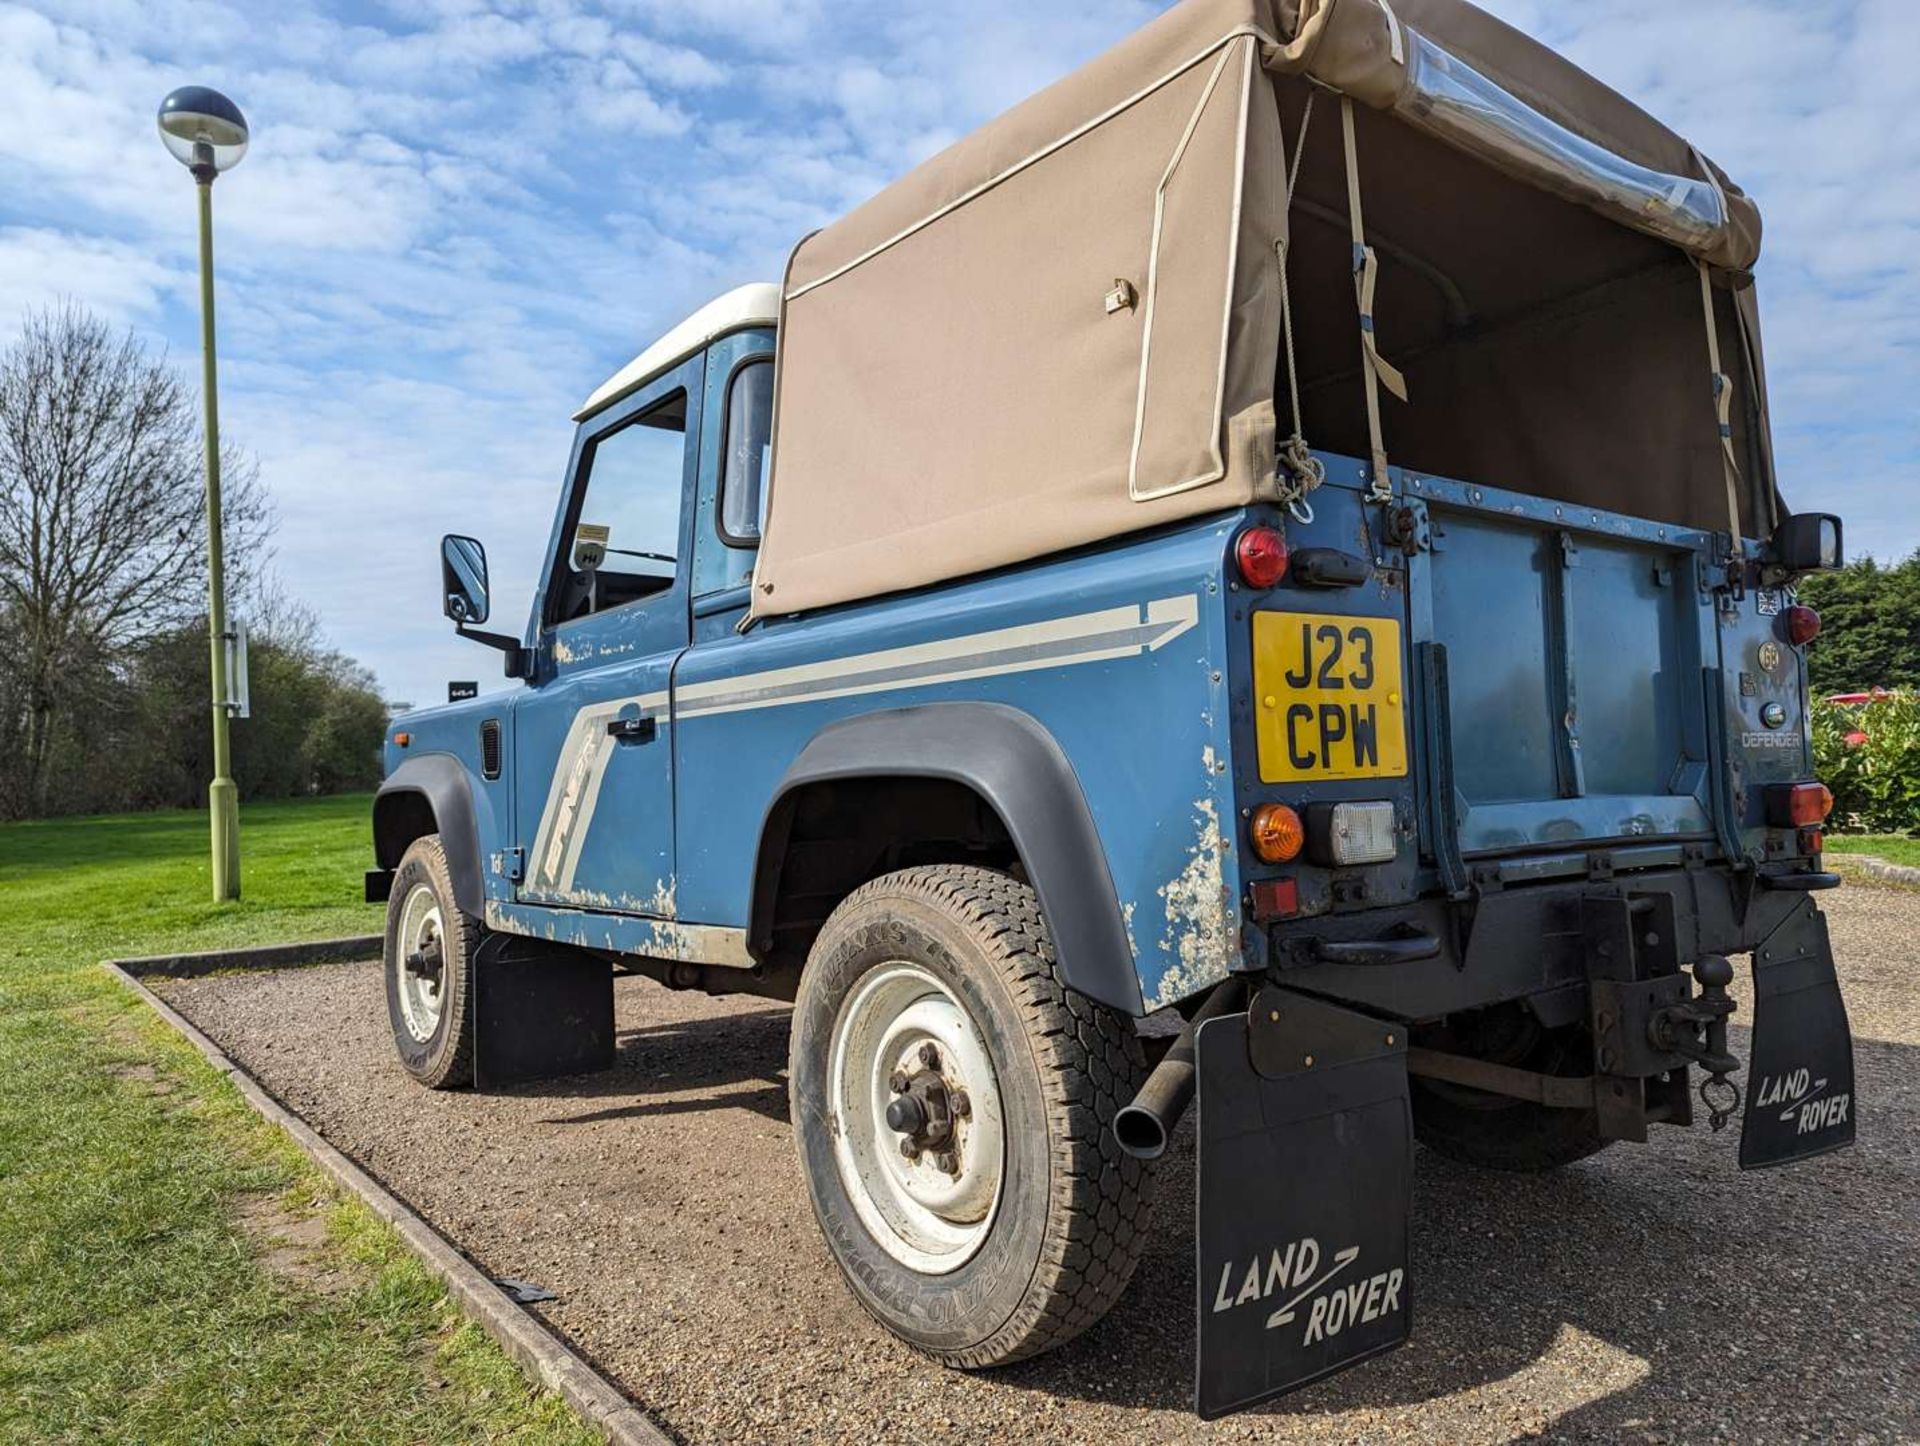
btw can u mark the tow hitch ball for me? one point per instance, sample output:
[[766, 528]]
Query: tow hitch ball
[[1697, 1029]]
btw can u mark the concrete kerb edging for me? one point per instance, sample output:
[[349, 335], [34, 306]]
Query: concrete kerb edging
[[264, 956], [1875, 868], [518, 1333]]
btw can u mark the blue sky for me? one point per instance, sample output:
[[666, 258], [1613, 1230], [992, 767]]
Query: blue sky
[[458, 216]]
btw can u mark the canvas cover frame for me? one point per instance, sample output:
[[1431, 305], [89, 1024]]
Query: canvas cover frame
[[1066, 327]]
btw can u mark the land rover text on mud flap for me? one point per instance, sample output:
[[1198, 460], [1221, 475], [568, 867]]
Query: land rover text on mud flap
[[1281, 527]]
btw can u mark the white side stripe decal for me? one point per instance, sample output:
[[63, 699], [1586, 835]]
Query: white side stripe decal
[[579, 773]]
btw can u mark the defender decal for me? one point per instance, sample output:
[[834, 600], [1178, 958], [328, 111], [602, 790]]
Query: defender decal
[[580, 771]]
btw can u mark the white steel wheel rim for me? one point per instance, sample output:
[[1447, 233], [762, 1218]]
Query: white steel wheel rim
[[928, 1219], [422, 997]]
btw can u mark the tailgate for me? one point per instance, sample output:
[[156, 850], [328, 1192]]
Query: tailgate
[[1569, 646]]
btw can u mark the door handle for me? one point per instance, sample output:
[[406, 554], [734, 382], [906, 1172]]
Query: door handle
[[633, 730]]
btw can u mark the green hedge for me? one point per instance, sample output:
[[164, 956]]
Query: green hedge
[[1869, 755]]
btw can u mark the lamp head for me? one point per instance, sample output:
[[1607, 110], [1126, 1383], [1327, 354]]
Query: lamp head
[[203, 130]]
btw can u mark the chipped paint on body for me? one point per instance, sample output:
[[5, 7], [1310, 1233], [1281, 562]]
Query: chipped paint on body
[[714, 944], [1199, 943]]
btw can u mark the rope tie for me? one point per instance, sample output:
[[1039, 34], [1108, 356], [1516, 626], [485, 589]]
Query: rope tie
[[1304, 471]]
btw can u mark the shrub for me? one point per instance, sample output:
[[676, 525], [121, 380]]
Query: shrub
[[1869, 755]]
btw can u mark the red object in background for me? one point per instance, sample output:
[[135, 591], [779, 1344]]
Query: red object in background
[[1854, 737], [1274, 899], [1803, 624], [1261, 555]]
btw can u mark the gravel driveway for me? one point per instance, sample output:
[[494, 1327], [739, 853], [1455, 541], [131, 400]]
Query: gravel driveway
[[1650, 1294]]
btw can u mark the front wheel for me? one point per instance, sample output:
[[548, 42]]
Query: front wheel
[[953, 1104], [429, 968]]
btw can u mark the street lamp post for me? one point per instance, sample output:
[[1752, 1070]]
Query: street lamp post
[[206, 133]]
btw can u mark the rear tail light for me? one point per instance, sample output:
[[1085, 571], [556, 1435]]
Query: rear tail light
[[1798, 805], [1803, 625], [1276, 833], [1342, 834], [1261, 555]]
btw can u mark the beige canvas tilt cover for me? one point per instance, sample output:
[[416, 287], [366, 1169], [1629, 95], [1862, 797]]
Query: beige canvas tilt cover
[[1065, 328]]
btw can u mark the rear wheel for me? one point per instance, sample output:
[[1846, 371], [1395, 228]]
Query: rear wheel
[[1497, 1132], [953, 1105], [429, 968]]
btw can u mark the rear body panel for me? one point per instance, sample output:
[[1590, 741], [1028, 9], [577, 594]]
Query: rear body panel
[[1580, 697]]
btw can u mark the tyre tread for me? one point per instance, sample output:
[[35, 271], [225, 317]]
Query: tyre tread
[[1090, 1064]]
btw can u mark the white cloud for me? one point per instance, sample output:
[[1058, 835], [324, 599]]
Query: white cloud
[[39, 266]]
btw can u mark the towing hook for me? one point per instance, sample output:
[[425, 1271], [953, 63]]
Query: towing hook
[[1697, 1030]]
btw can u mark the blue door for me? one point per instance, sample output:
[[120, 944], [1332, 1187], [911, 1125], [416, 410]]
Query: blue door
[[595, 806]]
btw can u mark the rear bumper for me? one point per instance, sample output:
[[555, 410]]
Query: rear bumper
[[1520, 942]]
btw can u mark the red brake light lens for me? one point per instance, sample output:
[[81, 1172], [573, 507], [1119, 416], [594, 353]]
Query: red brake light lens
[[1803, 625], [1261, 555], [1274, 899], [1798, 805]]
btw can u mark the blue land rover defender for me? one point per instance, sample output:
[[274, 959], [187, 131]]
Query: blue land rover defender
[[1279, 527]]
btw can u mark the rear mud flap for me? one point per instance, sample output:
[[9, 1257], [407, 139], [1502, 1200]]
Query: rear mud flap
[[1800, 1075], [1305, 1179], [540, 1012]]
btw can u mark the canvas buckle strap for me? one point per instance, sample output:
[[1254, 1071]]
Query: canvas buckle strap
[[1723, 410], [1377, 370]]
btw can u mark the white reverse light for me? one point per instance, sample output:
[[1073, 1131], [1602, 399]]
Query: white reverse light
[[1361, 833]]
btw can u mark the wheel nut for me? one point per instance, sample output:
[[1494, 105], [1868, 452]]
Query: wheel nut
[[910, 1150], [899, 1084], [930, 1055], [948, 1161], [959, 1104]]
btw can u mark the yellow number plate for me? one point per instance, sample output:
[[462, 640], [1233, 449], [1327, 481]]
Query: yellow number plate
[[1328, 697]]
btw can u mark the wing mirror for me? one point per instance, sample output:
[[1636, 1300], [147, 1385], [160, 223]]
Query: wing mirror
[[463, 580], [1810, 542], [465, 598]]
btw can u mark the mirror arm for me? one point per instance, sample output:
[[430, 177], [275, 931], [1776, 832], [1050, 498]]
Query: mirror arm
[[516, 654]]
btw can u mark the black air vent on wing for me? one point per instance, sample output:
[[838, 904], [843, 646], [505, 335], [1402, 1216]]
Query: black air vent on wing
[[490, 748]]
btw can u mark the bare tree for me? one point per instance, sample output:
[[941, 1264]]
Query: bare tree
[[102, 514]]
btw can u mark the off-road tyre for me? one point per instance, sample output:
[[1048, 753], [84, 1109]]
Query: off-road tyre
[[1067, 1232], [1494, 1132], [444, 1060]]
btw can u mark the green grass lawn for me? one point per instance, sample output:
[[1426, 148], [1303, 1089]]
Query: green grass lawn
[[171, 1267], [1894, 848]]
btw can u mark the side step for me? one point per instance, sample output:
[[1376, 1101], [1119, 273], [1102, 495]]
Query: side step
[[1305, 1183]]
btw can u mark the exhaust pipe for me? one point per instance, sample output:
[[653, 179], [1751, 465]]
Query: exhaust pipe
[[1143, 1127]]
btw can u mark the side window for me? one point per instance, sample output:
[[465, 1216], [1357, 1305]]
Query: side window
[[749, 439], [625, 525]]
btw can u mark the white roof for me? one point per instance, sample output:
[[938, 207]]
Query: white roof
[[755, 304]]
